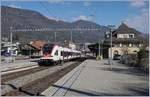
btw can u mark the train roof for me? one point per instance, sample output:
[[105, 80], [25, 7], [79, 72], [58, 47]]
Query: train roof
[[63, 48]]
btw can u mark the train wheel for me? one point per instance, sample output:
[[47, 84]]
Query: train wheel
[[55, 63]]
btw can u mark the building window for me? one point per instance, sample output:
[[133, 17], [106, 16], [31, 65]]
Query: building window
[[125, 36], [134, 45], [116, 52], [127, 45], [107, 36], [131, 36], [120, 45], [126, 52], [124, 45], [140, 45], [137, 45], [116, 45]]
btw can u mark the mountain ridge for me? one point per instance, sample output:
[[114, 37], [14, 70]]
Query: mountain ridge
[[29, 19]]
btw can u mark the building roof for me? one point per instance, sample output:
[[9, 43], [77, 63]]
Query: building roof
[[124, 29], [34, 45], [26, 47], [38, 44]]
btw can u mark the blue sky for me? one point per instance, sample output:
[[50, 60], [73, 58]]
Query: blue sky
[[134, 13]]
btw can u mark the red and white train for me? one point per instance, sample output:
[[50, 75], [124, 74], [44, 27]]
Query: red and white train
[[54, 54]]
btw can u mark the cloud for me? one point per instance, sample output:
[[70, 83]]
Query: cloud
[[144, 10], [83, 17], [137, 3], [139, 22], [62, 2], [14, 6], [55, 1], [86, 3]]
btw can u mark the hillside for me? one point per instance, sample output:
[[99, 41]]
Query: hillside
[[27, 19]]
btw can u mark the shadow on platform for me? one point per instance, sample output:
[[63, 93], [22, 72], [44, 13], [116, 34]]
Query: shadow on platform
[[130, 70], [91, 93], [136, 91]]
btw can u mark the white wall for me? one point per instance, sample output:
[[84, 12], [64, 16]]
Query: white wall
[[121, 49], [124, 35]]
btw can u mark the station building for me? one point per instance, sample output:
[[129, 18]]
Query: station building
[[34, 48], [125, 40]]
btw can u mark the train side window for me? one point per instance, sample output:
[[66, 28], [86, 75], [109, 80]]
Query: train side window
[[65, 54], [62, 53], [56, 53]]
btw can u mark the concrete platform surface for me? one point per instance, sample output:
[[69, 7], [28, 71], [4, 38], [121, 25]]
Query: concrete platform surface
[[94, 78]]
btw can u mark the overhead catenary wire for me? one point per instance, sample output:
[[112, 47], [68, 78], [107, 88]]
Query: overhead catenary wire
[[61, 29], [45, 7], [49, 13], [39, 29]]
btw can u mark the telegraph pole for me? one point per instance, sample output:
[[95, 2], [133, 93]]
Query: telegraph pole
[[11, 41], [110, 59], [71, 36], [99, 52], [55, 36], [11, 36], [99, 48], [110, 49]]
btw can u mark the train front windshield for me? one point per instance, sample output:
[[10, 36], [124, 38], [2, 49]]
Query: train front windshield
[[47, 48]]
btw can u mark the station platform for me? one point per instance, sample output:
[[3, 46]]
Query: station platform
[[95, 78]]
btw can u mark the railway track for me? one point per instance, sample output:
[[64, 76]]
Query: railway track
[[10, 76], [35, 84], [17, 69]]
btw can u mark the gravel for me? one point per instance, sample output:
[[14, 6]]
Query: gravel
[[7, 77], [23, 80], [5, 89]]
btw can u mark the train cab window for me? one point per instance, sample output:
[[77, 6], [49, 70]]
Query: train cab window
[[56, 53], [47, 48]]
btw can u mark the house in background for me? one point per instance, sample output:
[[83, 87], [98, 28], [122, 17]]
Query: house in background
[[38, 45], [125, 40], [26, 49], [8, 48], [34, 48]]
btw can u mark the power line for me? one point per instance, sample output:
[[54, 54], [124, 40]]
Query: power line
[[61, 29], [45, 7]]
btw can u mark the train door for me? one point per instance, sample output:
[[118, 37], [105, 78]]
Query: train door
[[61, 54], [56, 55]]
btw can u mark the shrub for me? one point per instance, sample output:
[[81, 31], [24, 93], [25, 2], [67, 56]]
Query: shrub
[[142, 54]]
